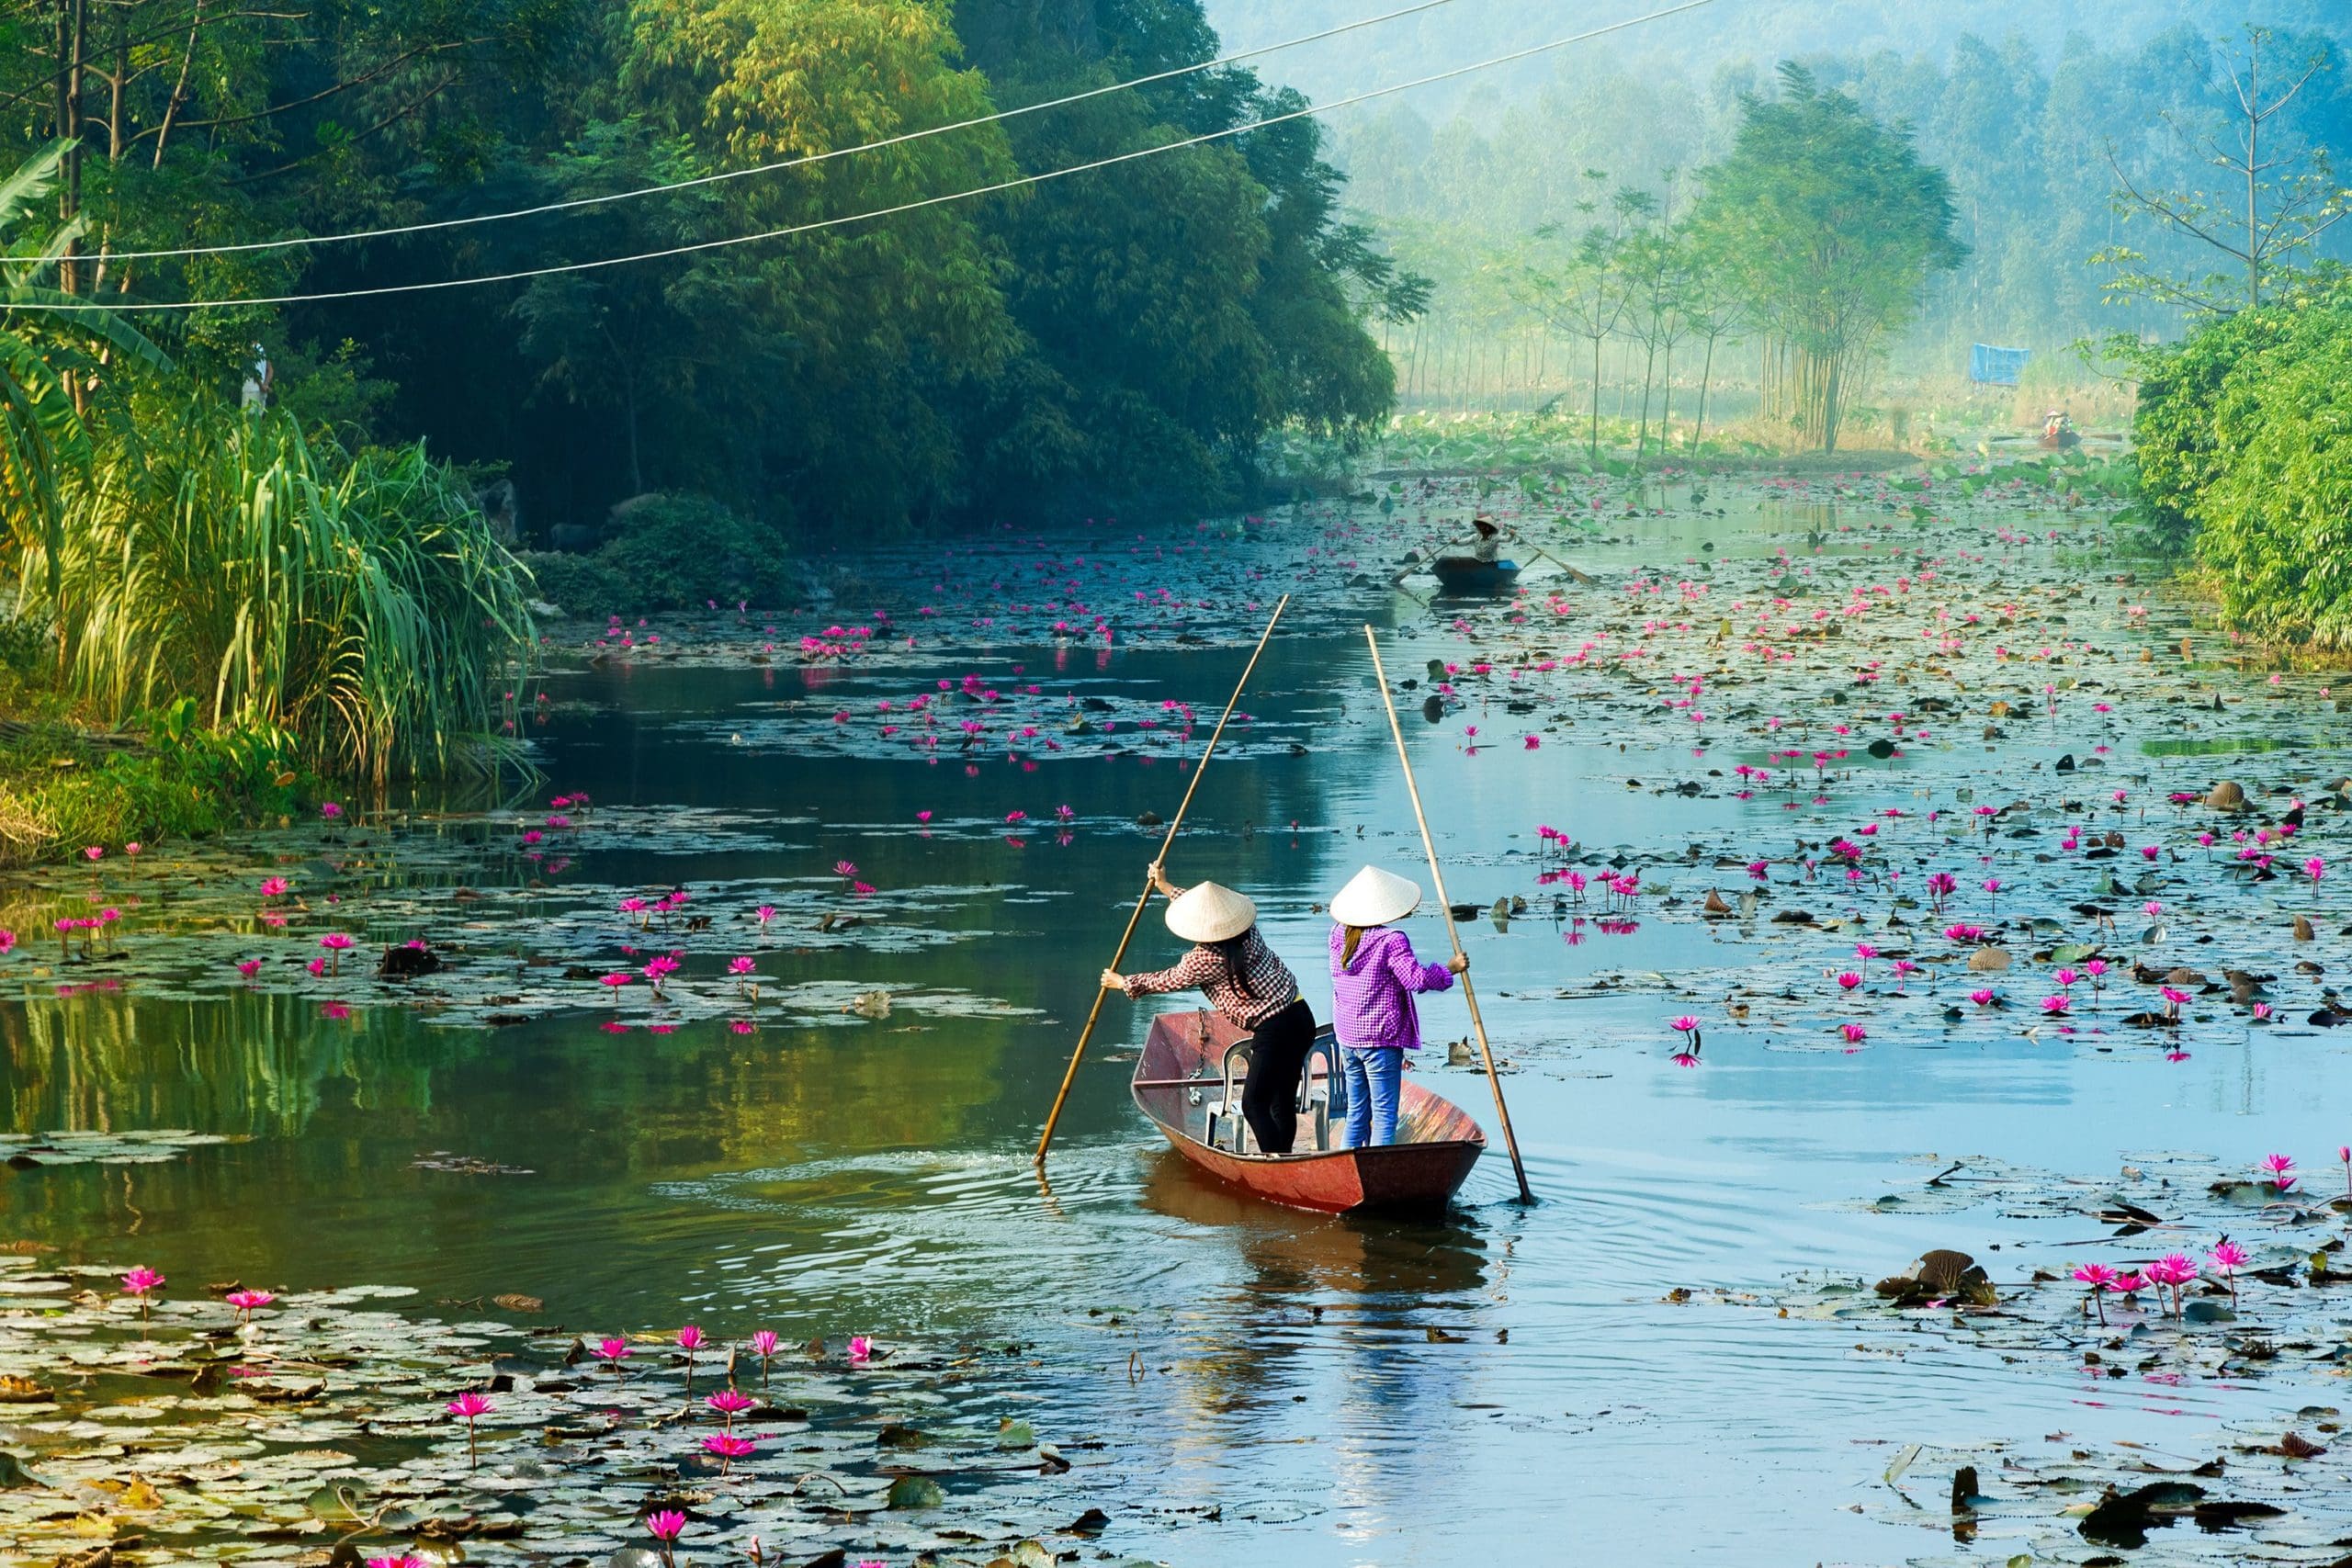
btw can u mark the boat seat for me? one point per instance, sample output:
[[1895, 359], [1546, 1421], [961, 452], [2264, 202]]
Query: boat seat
[[1318, 1099], [1226, 1104]]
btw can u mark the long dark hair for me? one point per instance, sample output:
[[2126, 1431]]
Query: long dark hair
[[1347, 946], [1235, 952]]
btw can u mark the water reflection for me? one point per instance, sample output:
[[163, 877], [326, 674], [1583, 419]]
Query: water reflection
[[1344, 1390]]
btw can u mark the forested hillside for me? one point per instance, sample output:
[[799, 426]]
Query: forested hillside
[[1111, 340]]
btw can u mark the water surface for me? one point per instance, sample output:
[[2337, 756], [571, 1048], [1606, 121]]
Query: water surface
[[1262, 1382]]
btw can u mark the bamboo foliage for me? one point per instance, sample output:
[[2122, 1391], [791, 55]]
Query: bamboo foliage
[[1831, 226], [49, 362]]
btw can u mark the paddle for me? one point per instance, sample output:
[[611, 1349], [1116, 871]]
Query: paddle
[[1478, 1025], [1045, 1140], [1584, 578]]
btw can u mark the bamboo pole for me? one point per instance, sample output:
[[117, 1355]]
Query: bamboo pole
[[1094, 1013], [1437, 877]]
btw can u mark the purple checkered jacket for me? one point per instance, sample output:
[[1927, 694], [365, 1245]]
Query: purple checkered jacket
[[1371, 1000]]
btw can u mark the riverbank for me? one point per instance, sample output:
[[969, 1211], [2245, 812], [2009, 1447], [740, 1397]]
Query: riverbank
[[67, 784]]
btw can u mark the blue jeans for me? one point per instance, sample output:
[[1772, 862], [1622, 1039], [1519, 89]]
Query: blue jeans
[[1373, 1077]]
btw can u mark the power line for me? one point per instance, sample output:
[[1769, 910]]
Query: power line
[[574, 203], [435, 286]]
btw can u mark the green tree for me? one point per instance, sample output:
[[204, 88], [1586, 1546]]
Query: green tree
[[1657, 264], [1714, 311], [2275, 519], [1832, 224], [2177, 436], [872, 324], [53, 366], [1579, 286], [626, 343], [2278, 201]]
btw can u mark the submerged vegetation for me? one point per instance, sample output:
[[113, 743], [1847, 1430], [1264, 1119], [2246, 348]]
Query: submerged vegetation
[[168, 1418]]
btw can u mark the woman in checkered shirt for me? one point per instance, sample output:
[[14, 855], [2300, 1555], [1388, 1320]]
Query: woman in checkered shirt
[[1231, 964]]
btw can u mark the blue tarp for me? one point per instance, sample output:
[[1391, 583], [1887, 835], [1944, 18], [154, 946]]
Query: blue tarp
[[2000, 367]]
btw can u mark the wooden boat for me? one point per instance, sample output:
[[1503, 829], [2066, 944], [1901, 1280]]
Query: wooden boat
[[2059, 440], [1180, 1082], [1466, 574]]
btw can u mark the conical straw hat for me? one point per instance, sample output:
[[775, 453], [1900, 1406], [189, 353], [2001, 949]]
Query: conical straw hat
[[1375, 898], [1210, 913]]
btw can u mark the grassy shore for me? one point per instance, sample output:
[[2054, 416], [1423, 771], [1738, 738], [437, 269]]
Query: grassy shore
[[67, 784]]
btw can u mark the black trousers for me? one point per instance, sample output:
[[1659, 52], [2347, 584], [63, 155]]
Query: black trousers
[[1277, 1058]]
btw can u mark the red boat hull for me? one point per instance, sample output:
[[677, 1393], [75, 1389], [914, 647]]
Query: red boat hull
[[1437, 1141]]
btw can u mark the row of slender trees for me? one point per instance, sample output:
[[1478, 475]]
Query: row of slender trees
[[1812, 237]]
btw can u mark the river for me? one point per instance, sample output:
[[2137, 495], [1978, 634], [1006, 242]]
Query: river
[[1530, 1383]]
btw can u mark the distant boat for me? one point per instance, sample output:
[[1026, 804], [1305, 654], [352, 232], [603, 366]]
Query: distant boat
[[1466, 575], [1180, 1082], [2060, 439]]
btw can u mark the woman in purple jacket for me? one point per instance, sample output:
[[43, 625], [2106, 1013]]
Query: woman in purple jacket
[[1374, 977]]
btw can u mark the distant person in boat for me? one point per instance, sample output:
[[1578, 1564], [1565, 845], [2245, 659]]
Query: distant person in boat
[[1374, 977], [1486, 549], [1231, 964], [2056, 425]]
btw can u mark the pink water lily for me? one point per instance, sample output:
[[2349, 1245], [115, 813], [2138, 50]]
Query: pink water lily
[[2282, 1170], [2229, 1258], [466, 1408], [727, 1448], [247, 1302], [2176, 1270], [140, 1284], [667, 1526], [2099, 1278]]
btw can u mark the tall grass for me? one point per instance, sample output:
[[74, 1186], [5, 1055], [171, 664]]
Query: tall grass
[[356, 603]]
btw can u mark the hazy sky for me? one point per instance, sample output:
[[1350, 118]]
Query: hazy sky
[[1463, 31]]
